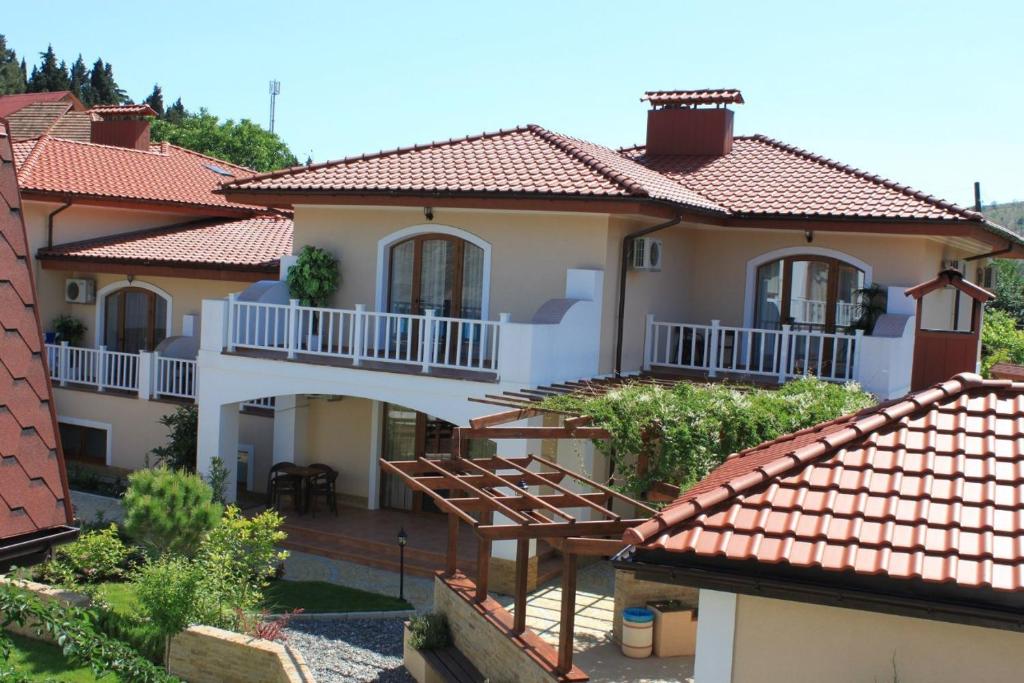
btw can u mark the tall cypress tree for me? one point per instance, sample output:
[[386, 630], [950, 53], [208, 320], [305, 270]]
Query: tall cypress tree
[[50, 76], [176, 112], [156, 100], [80, 80], [12, 79]]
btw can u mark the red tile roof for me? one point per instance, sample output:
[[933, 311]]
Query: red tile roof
[[529, 159], [12, 103], [123, 110], [760, 177], [256, 243], [663, 98], [928, 488], [38, 118], [164, 175], [33, 488]]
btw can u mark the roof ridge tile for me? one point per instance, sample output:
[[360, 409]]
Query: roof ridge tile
[[569, 146]]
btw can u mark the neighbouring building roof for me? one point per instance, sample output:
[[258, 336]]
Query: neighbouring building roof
[[123, 110], [165, 175], [760, 177], [928, 489], [12, 103], [55, 118], [673, 98], [33, 484], [255, 244]]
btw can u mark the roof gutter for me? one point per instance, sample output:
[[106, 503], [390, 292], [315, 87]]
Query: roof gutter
[[992, 254], [49, 222], [627, 250]]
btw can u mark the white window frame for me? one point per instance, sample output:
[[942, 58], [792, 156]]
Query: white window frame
[[101, 304], [93, 424], [750, 294], [384, 260]]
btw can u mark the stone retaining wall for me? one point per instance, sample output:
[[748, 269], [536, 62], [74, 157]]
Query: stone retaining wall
[[203, 654]]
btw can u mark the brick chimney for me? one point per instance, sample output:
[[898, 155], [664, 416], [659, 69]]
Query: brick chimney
[[122, 125], [690, 121]]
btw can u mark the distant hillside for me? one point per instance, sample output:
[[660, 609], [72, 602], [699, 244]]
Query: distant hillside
[[1010, 215]]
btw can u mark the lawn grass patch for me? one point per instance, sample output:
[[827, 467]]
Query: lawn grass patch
[[320, 596], [35, 660]]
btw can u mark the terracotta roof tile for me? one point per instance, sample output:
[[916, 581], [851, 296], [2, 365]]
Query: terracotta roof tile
[[36, 119], [521, 160], [123, 110], [259, 242], [164, 175], [32, 482], [660, 98], [12, 103], [849, 496]]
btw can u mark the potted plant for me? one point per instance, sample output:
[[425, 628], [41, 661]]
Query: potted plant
[[69, 329], [312, 280], [869, 305], [423, 633]]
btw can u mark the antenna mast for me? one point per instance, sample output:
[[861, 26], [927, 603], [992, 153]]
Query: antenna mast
[[275, 90]]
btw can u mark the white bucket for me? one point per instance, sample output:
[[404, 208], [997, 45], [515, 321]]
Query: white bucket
[[637, 632]]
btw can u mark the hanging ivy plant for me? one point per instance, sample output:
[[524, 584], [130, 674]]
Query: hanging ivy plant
[[314, 277]]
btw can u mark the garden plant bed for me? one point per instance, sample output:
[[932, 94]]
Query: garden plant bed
[[34, 660]]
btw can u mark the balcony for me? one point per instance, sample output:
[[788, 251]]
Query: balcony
[[879, 363]]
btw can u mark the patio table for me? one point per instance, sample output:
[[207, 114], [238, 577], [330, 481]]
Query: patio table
[[306, 475]]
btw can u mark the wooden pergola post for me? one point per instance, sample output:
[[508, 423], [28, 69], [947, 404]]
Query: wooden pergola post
[[567, 627], [483, 559], [452, 559], [522, 568]]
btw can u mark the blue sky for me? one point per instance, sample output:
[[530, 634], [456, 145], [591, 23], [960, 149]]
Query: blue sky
[[926, 93]]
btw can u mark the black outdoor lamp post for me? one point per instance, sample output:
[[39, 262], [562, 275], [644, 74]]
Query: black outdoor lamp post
[[403, 538]]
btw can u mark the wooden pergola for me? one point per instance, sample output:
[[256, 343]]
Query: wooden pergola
[[523, 499]]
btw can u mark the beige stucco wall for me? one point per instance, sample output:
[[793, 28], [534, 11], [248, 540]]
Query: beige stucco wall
[[792, 642], [338, 433], [135, 429]]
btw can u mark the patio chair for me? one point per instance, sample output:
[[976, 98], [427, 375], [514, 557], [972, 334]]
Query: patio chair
[[282, 484], [323, 486]]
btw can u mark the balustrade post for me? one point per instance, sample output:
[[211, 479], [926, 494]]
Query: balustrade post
[[359, 334], [293, 324], [101, 366], [62, 363], [783, 354], [713, 349], [147, 363], [232, 300], [503, 320], [854, 360], [427, 336], [648, 341]]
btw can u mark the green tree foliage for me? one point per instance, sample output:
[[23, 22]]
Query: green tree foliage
[[687, 430], [1009, 289], [168, 510], [94, 556], [182, 439], [49, 76], [244, 143], [12, 74], [79, 85], [156, 100], [72, 630], [103, 89], [1002, 340], [175, 113], [314, 277]]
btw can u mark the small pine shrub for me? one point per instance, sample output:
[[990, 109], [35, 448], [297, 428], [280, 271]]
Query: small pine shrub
[[169, 511], [429, 632]]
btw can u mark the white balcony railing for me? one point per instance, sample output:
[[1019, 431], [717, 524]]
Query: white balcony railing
[[782, 354], [358, 335], [175, 377], [97, 367]]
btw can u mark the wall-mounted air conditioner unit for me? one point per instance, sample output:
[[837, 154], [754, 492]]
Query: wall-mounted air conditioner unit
[[79, 291], [646, 254]]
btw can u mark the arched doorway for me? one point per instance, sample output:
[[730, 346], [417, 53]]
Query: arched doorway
[[439, 272], [809, 292], [134, 319]]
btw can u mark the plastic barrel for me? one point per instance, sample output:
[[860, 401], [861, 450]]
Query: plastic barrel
[[637, 632]]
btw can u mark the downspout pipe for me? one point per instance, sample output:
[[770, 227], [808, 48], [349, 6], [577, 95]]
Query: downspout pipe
[[627, 250], [992, 254], [49, 223]]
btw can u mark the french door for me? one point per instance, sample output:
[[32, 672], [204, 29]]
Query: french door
[[134, 320], [810, 293]]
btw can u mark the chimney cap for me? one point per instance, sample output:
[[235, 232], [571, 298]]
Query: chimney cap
[[123, 110], [687, 98]]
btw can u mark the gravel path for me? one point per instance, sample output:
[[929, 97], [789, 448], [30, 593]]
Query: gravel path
[[358, 650]]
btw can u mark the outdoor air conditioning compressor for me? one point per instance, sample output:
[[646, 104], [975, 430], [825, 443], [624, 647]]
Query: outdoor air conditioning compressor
[[646, 254], [79, 291]]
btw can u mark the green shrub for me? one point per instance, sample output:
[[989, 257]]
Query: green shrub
[[217, 478], [95, 556], [182, 439], [69, 329], [168, 589], [1001, 340], [429, 632], [690, 428], [168, 510]]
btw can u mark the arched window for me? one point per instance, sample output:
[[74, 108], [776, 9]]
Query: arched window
[[809, 292], [439, 272], [134, 319]]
